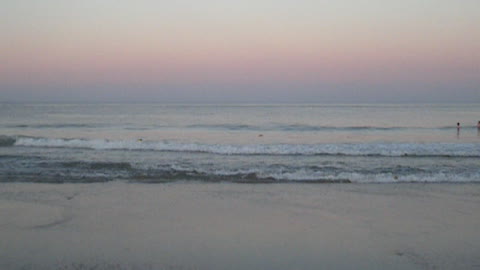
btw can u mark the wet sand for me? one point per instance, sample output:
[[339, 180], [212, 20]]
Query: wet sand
[[119, 225]]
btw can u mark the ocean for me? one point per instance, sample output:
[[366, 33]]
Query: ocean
[[312, 143]]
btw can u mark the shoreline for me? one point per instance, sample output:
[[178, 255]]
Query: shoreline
[[194, 225]]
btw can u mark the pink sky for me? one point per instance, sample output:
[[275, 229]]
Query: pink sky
[[246, 46]]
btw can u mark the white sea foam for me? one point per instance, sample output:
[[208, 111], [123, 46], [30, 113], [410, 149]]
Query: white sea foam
[[350, 149]]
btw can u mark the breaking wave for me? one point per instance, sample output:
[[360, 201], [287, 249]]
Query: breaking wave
[[6, 141], [50, 171], [347, 149]]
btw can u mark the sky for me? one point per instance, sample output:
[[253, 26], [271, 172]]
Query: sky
[[262, 51]]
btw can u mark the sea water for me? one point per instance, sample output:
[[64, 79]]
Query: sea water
[[277, 143]]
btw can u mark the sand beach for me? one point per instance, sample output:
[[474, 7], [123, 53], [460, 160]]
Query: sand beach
[[189, 225]]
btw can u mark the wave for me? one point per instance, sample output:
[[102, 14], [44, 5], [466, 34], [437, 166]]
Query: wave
[[97, 165], [64, 125], [245, 127], [312, 128], [6, 141], [346, 149], [90, 172]]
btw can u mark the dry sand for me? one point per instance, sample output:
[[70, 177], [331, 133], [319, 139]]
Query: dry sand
[[120, 225]]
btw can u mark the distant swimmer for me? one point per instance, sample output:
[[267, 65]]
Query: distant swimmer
[[140, 139]]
